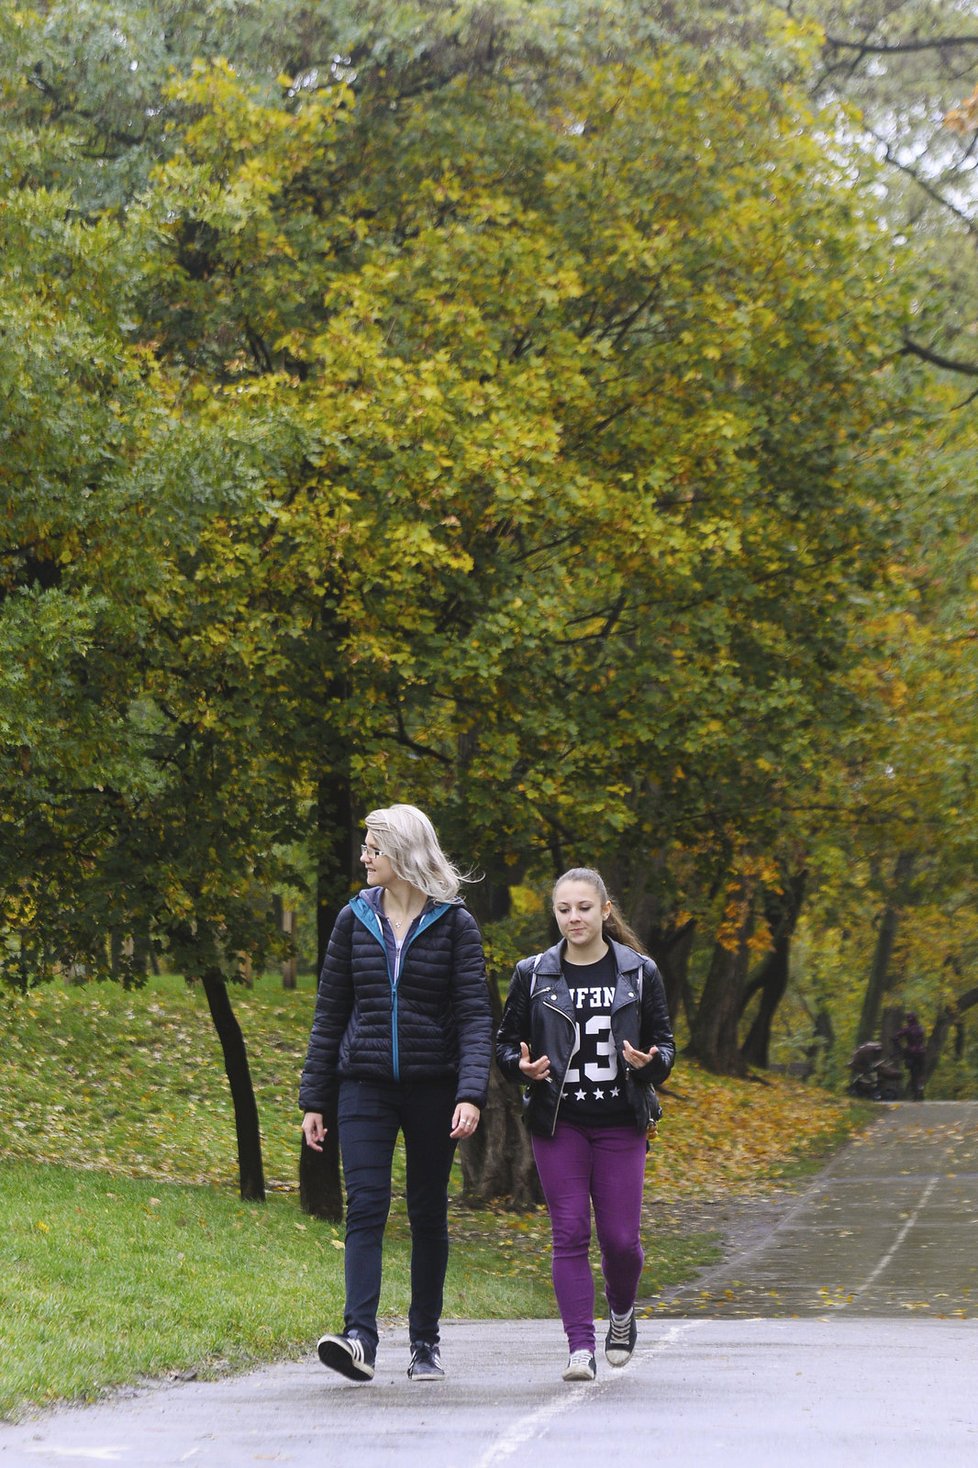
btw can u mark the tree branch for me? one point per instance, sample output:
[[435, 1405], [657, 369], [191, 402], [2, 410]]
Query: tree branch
[[922, 183], [403, 737], [949, 364], [893, 48]]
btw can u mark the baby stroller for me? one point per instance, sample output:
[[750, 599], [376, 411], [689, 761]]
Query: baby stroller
[[872, 1076]]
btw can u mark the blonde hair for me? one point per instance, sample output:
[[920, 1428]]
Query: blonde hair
[[614, 925], [409, 841]]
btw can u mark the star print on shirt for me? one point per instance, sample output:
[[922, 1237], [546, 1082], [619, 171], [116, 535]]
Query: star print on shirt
[[580, 1095], [599, 1095], [615, 1092]]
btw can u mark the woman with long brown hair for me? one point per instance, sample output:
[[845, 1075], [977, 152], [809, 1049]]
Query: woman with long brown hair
[[586, 1029]]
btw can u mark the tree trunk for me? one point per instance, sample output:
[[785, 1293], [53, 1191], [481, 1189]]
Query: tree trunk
[[713, 1036], [823, 1041], [290, 966], [320, 1188], [250, 1171], [782, 912], [879, 973], [772, 981], [335, 853], [285, 921], [948, 1017], [672, 948], [497, 1162], [142, 953]]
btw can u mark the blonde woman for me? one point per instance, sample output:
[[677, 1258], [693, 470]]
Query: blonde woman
[[402, 1040]]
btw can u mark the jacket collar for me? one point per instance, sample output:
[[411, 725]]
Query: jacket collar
[[367, 907], [627, 961]]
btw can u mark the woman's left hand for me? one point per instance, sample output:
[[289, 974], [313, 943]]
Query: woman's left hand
[[465, 1120], [637, 1058]]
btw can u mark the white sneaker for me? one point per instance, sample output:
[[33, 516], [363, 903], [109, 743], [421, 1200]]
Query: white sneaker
[[580, 1367]]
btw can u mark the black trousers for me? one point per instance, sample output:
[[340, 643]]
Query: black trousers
[[370, 1115]]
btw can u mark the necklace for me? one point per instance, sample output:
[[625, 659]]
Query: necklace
[[405, 918]]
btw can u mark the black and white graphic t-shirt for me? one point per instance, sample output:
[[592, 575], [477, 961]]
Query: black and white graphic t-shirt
[[594, 1093]]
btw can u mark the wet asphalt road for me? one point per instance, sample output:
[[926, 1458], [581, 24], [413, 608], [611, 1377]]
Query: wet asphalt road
[[889, 1228], [848, 1336]]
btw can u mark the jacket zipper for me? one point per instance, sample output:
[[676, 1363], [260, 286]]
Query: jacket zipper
[[636, 991], [570, 1057], [378, 933]]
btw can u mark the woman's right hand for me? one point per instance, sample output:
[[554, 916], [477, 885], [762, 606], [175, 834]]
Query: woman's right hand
[[313, 1130], [534, 1070]]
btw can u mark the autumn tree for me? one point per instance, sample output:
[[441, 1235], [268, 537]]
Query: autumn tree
[[516, 426]]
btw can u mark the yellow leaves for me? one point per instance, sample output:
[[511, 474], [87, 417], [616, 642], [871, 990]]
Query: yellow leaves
[[526, 901], [719, 1134], [835, 1298]]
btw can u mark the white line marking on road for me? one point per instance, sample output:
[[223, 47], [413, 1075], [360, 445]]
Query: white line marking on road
[[533, 1424], [92, 1455], [908, 1225]]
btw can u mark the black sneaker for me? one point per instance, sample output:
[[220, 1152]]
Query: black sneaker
[[425, 1362], [348, 1355], [619, 1343]]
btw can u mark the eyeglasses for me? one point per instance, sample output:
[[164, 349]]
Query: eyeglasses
[[366, 850]]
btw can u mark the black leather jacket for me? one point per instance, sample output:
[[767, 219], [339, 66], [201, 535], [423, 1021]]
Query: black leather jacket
[[539, 1011]]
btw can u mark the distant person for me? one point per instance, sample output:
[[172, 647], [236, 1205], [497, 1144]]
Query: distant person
[[913, 1042], [586, 1026], [402, 1035]]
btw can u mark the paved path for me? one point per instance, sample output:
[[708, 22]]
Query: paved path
[[848, 1337], [890, 1227]]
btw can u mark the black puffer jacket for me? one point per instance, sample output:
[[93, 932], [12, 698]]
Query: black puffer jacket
[[434, 1024], [539, 1010]]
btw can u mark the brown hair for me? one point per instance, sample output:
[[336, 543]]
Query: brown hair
[[614, 925]]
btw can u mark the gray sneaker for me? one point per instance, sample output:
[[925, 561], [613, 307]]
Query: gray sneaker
[[425, 1362]]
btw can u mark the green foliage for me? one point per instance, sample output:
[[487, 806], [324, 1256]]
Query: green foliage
[[496, 406]]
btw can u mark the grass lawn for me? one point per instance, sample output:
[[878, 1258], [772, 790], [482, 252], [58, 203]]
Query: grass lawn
[[125, 1252]]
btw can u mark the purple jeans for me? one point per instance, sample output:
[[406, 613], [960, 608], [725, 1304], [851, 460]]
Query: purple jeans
[[578, 1166]]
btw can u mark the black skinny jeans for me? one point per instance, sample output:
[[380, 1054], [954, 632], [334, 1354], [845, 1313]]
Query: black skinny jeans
[[370, 1115]]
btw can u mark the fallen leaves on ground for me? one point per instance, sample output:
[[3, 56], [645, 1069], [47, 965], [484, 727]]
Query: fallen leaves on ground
[[133, 1083]]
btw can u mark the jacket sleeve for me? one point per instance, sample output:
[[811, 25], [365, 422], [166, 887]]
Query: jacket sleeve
[[515, 1026], [334, 1005], [472, 1010], [655, 1027]]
